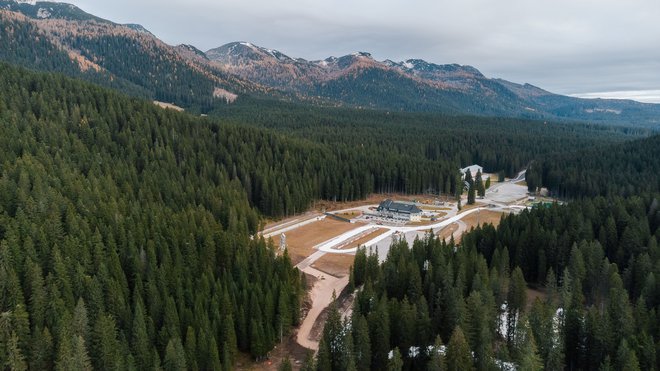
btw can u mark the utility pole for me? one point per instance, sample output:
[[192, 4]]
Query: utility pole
[[282, 242]]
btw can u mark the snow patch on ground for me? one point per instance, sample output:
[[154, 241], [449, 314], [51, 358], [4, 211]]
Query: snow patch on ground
[[220, 93], [29, 2], [504, 320], [414, 352], [557, 325], [168, 106], [43, 13], [505, 366], [408, 65]]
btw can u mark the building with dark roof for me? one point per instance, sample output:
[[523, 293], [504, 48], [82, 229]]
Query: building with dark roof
[[399, 210]]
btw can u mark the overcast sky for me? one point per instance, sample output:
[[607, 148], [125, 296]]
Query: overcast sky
[[607, 47]]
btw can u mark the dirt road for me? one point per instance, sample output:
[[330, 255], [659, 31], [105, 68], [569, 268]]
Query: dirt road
[[321, 295]]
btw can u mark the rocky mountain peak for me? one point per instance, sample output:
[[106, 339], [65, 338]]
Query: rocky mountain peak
[[242, 51]]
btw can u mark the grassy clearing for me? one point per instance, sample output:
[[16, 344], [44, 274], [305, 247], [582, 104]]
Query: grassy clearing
[[300, 241]]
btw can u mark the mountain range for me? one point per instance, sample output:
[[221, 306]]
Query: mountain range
[[359, 80], [62, 38]]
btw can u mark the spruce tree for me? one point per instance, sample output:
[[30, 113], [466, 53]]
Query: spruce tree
[[437, 360], [323, 357], [41, 351], [395, 363], [379, 334], [361, 342], [529, 359], [80, 322], [517, 298], [481, 189], [80, 359], [458, 352], [471, 198], [626, 357], [140, 338], [15, 359], [105, 346], [175, 357], [190, 347]]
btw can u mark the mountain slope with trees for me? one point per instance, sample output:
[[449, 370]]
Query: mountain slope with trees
[[596, 261], [624, 169], [593, 261], [123, 57], [414, 85], [124, 242], [126, 228], [60, 37], [420, 137]]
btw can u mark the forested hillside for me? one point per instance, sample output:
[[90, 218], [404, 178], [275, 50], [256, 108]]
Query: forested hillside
[[129, 234], [124, 242], [625, 169], [594, 263], [415, 85], [123, 57], [22, 43], [59, 37], [425, 141], [375, 87], [597, 262], [125, 229]]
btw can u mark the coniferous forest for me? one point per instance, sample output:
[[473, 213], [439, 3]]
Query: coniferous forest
[[438, 303], [466, 306], [625, 169], [125, 242], [128, 237]]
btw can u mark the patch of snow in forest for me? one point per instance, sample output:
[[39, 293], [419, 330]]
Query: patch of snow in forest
[[43, 13], [29, 2]]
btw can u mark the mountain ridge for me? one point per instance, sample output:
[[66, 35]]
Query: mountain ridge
[[126, 57], [357, 79], [61, 37]]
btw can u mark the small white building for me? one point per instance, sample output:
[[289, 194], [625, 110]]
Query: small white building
[[473, 169]]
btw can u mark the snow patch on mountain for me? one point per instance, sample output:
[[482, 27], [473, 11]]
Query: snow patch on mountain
[[28, 2], [361, 54]]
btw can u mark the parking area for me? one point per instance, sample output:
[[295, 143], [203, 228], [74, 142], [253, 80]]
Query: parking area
[[378, 220]]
